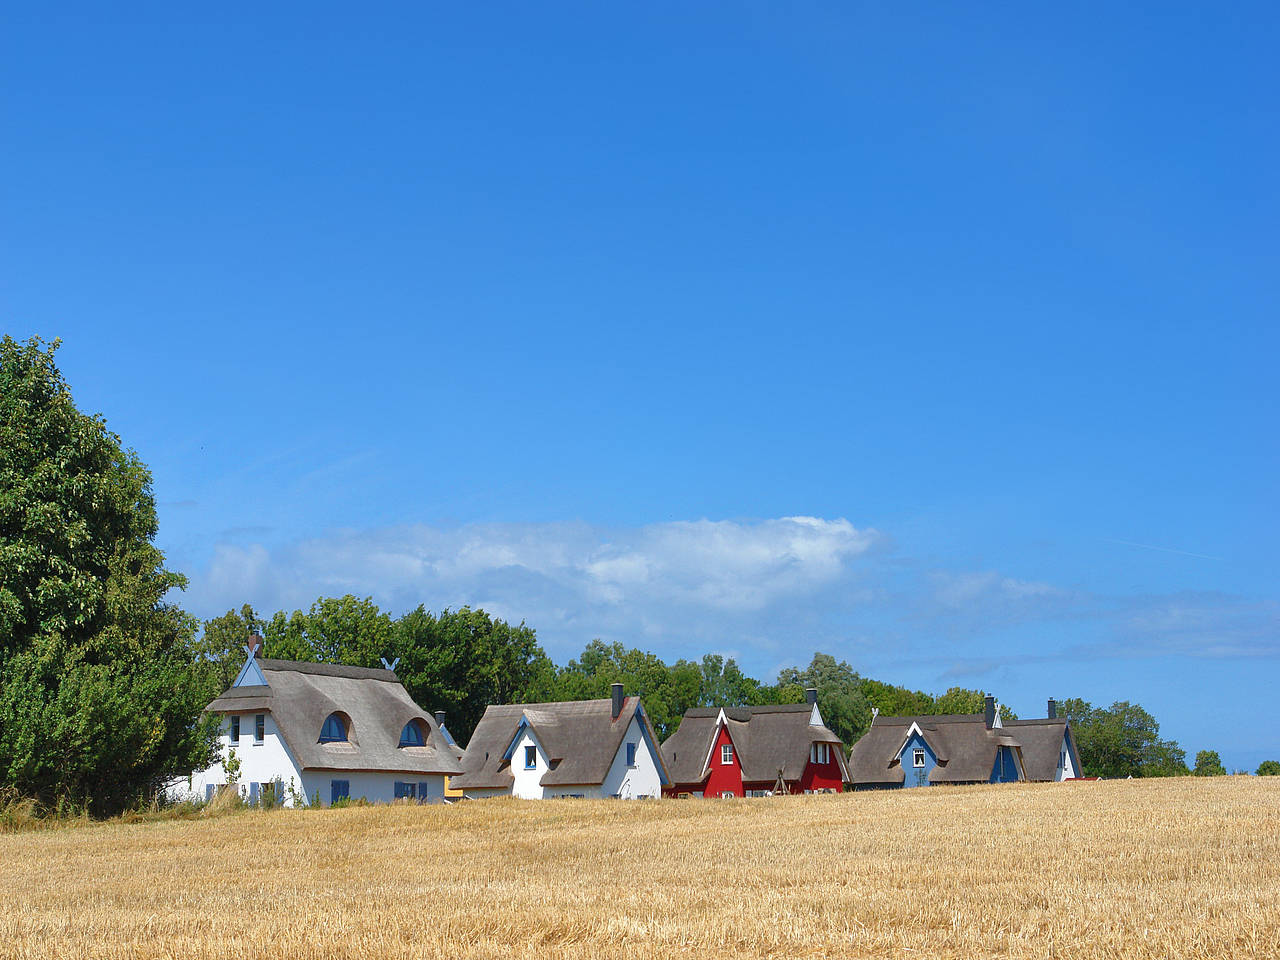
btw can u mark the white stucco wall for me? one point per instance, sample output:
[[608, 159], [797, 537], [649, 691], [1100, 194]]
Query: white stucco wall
[[641, 780], [259, 762], [1065, 771], [271, 760], [374, 787], [527, 782]]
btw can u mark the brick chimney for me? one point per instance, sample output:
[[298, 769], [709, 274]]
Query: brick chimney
[[989, 710], [616, 690]]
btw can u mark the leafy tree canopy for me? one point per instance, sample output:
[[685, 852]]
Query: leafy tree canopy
[[1269, 768], [1122, 740], [1209, 764], [100, 698]]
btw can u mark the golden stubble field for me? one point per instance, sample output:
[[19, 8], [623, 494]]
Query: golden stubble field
[[1173, 868]]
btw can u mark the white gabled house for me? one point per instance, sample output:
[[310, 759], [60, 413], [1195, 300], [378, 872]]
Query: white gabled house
[[318, 732], [586, 748]]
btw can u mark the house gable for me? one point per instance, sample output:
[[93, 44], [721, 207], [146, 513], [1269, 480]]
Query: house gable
[[917, 759], [723, 778]]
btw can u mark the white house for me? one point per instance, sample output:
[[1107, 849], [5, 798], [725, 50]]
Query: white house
[[317, 732], [586, 748]]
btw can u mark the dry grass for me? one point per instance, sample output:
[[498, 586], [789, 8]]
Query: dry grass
[[1175, 868]]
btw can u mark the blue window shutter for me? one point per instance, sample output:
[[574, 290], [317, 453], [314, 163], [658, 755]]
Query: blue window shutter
[[422, 790]]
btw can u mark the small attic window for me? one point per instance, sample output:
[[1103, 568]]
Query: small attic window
[[334, 729], [414, 734]]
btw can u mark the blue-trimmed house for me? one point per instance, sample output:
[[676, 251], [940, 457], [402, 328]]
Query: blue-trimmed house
[[926, 751]]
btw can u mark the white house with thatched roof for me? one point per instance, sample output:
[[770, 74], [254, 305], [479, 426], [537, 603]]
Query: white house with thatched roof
[[585, 748], [320, 732]]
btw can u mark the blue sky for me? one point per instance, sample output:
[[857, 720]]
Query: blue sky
[[939, 339]]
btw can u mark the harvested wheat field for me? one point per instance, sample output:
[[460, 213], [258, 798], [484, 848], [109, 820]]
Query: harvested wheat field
[[1174, 868]]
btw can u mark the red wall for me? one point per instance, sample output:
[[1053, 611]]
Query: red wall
[[727, 778], [724, 777], [825, 776]]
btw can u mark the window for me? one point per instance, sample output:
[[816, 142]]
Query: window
[[334, 729], [1062, 759], [208, 792], [631, 754], [412, 735], [339, 790], [820, 753], [726, 753], [235, 729], [259, 728], [727, 794], [530, 757], [422, 790], [917, 757], [405, 790], [253, 793]]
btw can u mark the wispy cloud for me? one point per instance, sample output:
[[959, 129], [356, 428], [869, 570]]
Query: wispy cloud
[[772, 589], [649, 581], [1152, 546]]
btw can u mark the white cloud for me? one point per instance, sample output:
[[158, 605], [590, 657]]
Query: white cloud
[[774, 589], [567, 579]]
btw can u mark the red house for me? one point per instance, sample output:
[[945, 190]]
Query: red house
[[754, 752]]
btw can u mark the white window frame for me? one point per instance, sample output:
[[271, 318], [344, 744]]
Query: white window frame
[[917, 758], [726, 754]]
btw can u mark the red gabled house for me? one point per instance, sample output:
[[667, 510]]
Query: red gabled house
[[754, 751]]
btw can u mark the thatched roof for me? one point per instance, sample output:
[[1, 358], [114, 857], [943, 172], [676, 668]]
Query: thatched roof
[[376, 706], [964, 746], [580, 738], [766, 739]]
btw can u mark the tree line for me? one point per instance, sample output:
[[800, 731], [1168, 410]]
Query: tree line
[[103, 679], [460, 661]]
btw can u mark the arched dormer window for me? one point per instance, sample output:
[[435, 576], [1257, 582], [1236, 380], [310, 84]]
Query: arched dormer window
[[414, 734], [334, 729]]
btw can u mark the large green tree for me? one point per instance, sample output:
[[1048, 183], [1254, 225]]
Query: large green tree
[[667, 692], [1209, 764], [1122, 740], [841, 697], [100, 695], [1269, 768], [221, 646]]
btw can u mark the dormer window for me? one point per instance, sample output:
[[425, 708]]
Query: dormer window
[[820, 753], [414, 734], [530, 757], [334, 729], [917, 757], [726, 753]]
